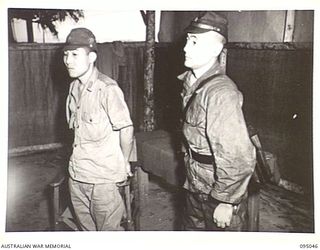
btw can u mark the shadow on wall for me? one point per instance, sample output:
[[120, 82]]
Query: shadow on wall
[[61, 82], [277, 89], [167, 88]]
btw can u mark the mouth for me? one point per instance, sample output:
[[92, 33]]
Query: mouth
[[70, 70]]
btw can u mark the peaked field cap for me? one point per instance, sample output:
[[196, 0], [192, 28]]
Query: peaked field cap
[[79, 38], [209, 21]]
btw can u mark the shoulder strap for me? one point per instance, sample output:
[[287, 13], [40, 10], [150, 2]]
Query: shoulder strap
[[201, 84]]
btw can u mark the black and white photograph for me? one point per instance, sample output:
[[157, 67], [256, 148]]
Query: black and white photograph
[[160, 125]]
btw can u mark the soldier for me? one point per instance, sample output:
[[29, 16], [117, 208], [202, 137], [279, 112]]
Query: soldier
[[103, 136], [220, 157]]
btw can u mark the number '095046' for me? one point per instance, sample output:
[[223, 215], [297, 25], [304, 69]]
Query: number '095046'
[[309, 246]]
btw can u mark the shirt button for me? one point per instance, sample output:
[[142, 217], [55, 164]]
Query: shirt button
[[78, 107], [75, 145], [78, 126], [90, 120]]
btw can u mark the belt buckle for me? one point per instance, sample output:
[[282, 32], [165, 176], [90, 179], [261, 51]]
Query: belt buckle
[[235, 209]]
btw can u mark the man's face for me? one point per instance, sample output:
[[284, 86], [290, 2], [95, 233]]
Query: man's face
[[200, 49], [77, 62]]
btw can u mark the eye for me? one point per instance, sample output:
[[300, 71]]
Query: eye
[[192, 40]]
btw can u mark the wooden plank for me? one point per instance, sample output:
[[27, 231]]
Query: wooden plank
[[270, 46], [34, 148], [289, 26], [136, 200]]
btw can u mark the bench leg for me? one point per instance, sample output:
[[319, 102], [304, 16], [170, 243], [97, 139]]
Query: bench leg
[[253, 211], [143, 185]]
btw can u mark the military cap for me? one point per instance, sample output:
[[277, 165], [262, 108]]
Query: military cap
[[79, 38], [209, 21]]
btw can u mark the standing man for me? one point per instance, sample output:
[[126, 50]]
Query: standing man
[[220, 157], [103, 136]]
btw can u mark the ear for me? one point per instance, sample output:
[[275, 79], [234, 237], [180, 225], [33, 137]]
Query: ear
[[217, 48], [92, 56]]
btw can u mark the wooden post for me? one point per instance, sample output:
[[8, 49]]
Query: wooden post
[[148, 119], [253, 207], [29, 30]]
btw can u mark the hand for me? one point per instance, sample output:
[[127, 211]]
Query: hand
[[222, 215]]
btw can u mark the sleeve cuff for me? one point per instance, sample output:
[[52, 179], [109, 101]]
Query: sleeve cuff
[[224, 199], [121, 125]]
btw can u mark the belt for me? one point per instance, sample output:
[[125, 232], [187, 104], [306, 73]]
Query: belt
[[204, 159]]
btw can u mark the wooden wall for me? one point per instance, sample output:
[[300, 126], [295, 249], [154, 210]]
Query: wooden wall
[[304, 26], [244, 26], [39, 83], [277, 87]]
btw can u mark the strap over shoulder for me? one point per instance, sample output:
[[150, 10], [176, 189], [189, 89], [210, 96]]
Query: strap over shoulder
[[201, 84]]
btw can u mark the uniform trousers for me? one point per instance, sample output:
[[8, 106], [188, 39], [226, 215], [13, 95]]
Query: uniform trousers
[[98, 207], [198, 214]]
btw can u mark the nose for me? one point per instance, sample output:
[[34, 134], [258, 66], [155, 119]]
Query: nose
[[186, 46], [66, 59]]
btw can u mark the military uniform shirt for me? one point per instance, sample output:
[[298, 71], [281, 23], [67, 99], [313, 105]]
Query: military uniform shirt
[[96, 114]]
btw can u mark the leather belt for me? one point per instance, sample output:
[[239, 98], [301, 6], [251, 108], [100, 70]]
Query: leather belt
[[204, 159]]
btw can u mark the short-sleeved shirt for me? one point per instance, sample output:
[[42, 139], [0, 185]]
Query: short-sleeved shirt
[[214, 125], [96, 114]]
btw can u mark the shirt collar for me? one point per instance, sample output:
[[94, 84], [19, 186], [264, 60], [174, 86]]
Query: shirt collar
[[215, 69], [93, 77]]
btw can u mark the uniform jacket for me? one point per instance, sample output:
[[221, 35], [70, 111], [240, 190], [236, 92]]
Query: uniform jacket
[[214, 125]]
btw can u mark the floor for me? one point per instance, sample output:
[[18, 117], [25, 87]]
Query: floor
[[28, 209]]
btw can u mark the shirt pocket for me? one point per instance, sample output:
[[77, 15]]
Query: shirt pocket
[[91, 118], [194, 115], [92, 127]]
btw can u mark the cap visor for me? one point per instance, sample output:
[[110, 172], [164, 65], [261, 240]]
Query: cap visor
[[71, 47], [76, 46], [196, 30]]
